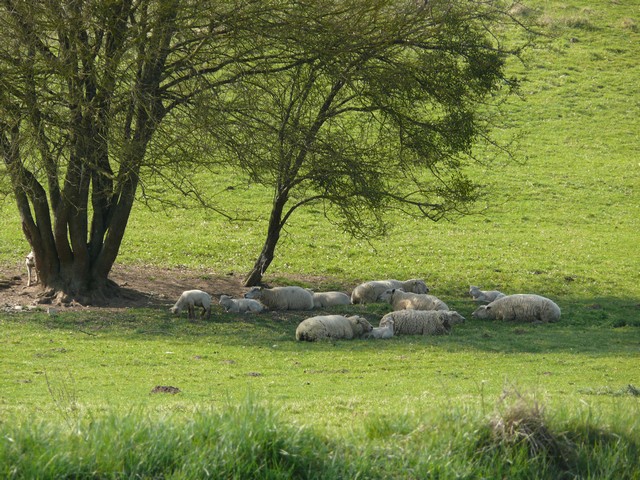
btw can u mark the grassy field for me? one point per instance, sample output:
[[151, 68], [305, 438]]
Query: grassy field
[[563, 221], [547, 401]]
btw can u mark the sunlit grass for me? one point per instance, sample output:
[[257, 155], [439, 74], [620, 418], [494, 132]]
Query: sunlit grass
[[563, 221]]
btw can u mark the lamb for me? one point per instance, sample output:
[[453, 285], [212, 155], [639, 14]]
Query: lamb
[[332, 327], [191, 299], [422, 322], [520, 308], [240, 305], [30, 262], [329, 299], [282, 298], [382, 332], [369, 292], [484, 296], [401, 300]]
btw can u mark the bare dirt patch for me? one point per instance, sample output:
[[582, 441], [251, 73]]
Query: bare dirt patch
[[141, 287]]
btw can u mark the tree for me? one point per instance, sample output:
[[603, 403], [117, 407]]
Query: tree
[[344, 102], [381, 111], [86, 89]]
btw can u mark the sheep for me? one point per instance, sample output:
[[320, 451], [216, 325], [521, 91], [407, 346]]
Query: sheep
[[382, 332], [369, 292], [520, 308], [422, 322], [484, 296], [332, 327], [30, 262], [191, 299], [241, 305], [329, 299], [282, 298], [401, 300]]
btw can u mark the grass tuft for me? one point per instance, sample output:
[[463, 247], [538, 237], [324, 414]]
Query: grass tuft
[[629, 24], [524, 424]]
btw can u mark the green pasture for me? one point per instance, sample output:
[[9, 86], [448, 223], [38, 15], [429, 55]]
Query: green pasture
[[562, 220], [92, 361], [85, 395]]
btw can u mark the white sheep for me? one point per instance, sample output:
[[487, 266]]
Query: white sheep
[[484, 296], [241, 305], [329, 299], [382, 332], [30, 262], [369, 292], [282, 298], [422, 322], [191, 299], [332, 327], [520, 308], [401, 300]]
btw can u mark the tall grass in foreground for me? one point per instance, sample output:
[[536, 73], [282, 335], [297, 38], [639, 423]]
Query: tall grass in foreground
[[250, 441]]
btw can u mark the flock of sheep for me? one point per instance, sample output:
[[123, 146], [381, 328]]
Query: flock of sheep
[[415, 312]]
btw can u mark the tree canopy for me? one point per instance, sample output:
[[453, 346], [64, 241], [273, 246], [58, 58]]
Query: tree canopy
[[380, 112], [363, 105], [86, 87]]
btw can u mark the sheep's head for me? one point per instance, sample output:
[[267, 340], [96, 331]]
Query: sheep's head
[[455, 318], [175, 310], [255, 292], [482, 312], [474, 291], [418, 286], [224, 298], [361, 322], [386, 295]]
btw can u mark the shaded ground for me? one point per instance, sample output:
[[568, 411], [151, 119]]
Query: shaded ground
[[141, 287]]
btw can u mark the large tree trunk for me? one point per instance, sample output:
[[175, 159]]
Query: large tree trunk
[[79, 273], [72, 149]]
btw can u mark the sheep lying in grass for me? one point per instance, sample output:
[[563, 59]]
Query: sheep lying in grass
[[329, 299], [520, 308], [332, 327], [401, 300], [484, 296], [422, 322], [282, 298], [240, 305], [191, 299], [369, 292], [30, 262], [382, 332]]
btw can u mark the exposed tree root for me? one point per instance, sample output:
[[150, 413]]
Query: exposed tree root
[[97, 296]]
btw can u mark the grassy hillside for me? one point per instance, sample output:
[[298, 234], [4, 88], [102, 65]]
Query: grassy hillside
[[562, 220]]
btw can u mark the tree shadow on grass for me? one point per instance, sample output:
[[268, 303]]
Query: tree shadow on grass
[[597, 326]]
